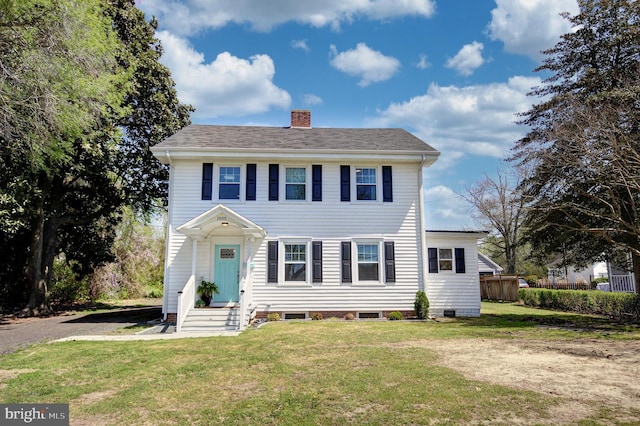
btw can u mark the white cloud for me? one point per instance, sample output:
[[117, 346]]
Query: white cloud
[[311, 100], [467, 59], [477, 120], [300, 44], [192, 16], [370, 65], [446, 210], [423, 63], [529, 26], [227, 86]]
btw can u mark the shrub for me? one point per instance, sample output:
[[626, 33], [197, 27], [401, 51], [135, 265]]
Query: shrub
[[273, 316], [395, 316], [154, 293], [623, 306], [316, 316], [349, 317], [421, 305], [200, 304], [531, 279], [67, 286]]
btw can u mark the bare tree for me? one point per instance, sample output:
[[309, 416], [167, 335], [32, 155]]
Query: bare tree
[[498, 206]]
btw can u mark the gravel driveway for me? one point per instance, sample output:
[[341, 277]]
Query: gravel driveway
[[22, 332]]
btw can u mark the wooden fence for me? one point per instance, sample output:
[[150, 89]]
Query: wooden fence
[[499, 287]]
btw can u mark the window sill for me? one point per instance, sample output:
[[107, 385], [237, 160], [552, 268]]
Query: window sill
[[367, 284], [293, 284]]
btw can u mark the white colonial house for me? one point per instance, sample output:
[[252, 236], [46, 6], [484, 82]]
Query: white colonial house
[[298, 220]]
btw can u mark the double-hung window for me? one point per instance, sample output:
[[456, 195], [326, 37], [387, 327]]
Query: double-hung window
[[368, 262], [446, 260], [366, 183], [295, 262], [295, 183], [229, 183]]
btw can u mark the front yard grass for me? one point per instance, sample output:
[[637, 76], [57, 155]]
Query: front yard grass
[[293, 373]]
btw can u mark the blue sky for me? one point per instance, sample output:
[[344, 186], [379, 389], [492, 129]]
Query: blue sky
[[453, 72]]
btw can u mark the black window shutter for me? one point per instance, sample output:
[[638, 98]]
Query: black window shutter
[[316, 177], [345, 183], [387, 184], [316, 248], [251, 182], [389, 262], [274, 170], [460, 269], [207, 180], [433, 260], [272, 262], [346, 262]]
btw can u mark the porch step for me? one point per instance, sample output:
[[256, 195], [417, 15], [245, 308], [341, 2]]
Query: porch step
[[211, 319]]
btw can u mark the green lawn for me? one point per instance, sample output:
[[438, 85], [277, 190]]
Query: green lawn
[[295, 373]]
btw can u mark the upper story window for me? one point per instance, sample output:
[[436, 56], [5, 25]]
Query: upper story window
[[366, 183], [295, 183], [229, 183]]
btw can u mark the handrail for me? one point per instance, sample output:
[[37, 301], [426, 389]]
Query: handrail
[[186, 301], [243, 305]]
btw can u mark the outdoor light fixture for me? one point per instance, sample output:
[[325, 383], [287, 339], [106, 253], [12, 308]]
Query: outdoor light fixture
[[225, 223]]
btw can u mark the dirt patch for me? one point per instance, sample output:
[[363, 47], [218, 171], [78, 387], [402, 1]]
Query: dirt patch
[[12, 374], [93, 397], [587, 374]]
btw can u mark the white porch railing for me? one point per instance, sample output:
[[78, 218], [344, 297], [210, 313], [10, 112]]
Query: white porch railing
[[243, 305], [186, 301], [622, 283]]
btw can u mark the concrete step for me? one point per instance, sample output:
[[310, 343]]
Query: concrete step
[[211, 319]]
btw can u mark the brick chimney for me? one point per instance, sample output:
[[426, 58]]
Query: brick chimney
[[301, 118]]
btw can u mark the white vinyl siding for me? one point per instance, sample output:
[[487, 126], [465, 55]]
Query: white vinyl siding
[[450, 290], [330, 221]]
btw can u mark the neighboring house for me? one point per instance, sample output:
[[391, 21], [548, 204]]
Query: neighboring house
[[298, 220], [620, 280], [486, 266]]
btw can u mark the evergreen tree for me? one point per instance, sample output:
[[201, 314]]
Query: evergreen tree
[[583, 145]]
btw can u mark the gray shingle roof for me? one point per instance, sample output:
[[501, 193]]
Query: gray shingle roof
[[253, 138]]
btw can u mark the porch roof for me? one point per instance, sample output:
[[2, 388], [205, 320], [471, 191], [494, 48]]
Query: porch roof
[[221, 217]]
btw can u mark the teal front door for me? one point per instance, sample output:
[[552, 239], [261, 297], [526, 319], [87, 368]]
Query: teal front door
[[226, 272]]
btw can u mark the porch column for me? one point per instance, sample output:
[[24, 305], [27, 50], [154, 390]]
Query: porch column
[[194, 256]]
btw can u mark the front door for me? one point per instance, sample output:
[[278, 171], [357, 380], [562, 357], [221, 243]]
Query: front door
[[226, 273]]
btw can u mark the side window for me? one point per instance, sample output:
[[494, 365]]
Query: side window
[[295, 183], [366, 183], [443, 260], [229, 183]]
